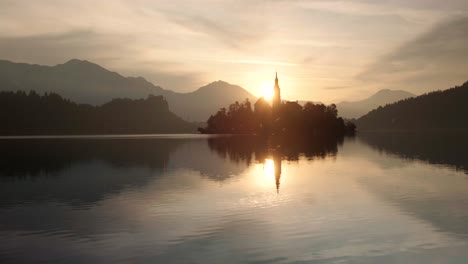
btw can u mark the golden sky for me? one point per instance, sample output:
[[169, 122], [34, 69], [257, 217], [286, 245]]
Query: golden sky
[[323, 50]]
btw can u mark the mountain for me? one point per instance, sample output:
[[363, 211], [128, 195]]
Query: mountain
[[359, 108], [49, 114], [207, 100], [86, 82], [439, 110]]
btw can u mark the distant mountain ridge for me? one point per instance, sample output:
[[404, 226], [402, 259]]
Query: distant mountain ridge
[[357, 109], [439, 110], [86, 82]]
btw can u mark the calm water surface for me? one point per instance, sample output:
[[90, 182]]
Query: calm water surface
[[375, 198]]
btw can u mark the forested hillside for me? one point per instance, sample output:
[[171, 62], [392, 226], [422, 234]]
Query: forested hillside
[[439, 110], [49, 114]]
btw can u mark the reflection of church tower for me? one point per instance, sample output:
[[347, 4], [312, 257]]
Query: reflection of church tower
[[277, 96], [277, 163]]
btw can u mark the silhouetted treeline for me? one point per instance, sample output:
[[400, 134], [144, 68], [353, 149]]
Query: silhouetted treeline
[[290, 118], [49, 114], [433, 111]]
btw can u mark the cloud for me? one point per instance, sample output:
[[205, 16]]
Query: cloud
[[415, 12], [261, 62], [222, 23], [309, 60], [55, 48], [335, 87], [432, 61]]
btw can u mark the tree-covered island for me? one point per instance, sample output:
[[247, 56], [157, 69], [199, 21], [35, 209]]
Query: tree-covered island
[[279, 117]]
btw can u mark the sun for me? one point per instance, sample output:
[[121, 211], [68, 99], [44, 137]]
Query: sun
[[266, 91]]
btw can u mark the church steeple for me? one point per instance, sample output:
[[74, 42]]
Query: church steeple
[[277, 95]]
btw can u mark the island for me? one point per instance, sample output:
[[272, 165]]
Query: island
[[280, 117]]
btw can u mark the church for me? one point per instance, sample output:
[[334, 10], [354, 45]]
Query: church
[[277, 117], [276, 102], [267, 110]]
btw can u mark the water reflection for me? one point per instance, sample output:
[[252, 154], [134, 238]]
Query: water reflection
[[277, 169], [272, 151], [249, 148], [215, 200], [83, 171], [435, 148], [77, 171], [272, 169], [421, 175]]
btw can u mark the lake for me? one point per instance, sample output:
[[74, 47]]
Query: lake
[[373, 198]]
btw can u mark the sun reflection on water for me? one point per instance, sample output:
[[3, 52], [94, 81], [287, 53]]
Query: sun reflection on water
[[269, 168], [272, 171]]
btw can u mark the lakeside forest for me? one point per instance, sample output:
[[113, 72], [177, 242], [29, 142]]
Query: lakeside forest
[[24, 113], [438, 110]]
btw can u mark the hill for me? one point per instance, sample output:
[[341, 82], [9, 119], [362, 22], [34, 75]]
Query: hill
[[89, 83], [439, 110], [50, 114], [200, 104], [357, 109]]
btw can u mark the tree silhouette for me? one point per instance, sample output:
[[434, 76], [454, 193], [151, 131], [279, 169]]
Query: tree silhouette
[[292, 118], [439, 110], [32, 114]]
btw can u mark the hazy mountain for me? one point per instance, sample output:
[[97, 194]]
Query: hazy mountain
[[33, 114], [440, 110], [86, 82], [357, 109], [206, 101]]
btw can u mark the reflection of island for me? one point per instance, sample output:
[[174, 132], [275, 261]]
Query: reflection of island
[[271, 151], [82, 171]]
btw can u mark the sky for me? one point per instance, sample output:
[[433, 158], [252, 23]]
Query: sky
[[324, 51]]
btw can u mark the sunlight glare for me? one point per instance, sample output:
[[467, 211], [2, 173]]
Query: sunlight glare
[[266, 91], [269, 168]]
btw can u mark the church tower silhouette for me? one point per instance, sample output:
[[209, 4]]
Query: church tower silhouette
[[277, 96]]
